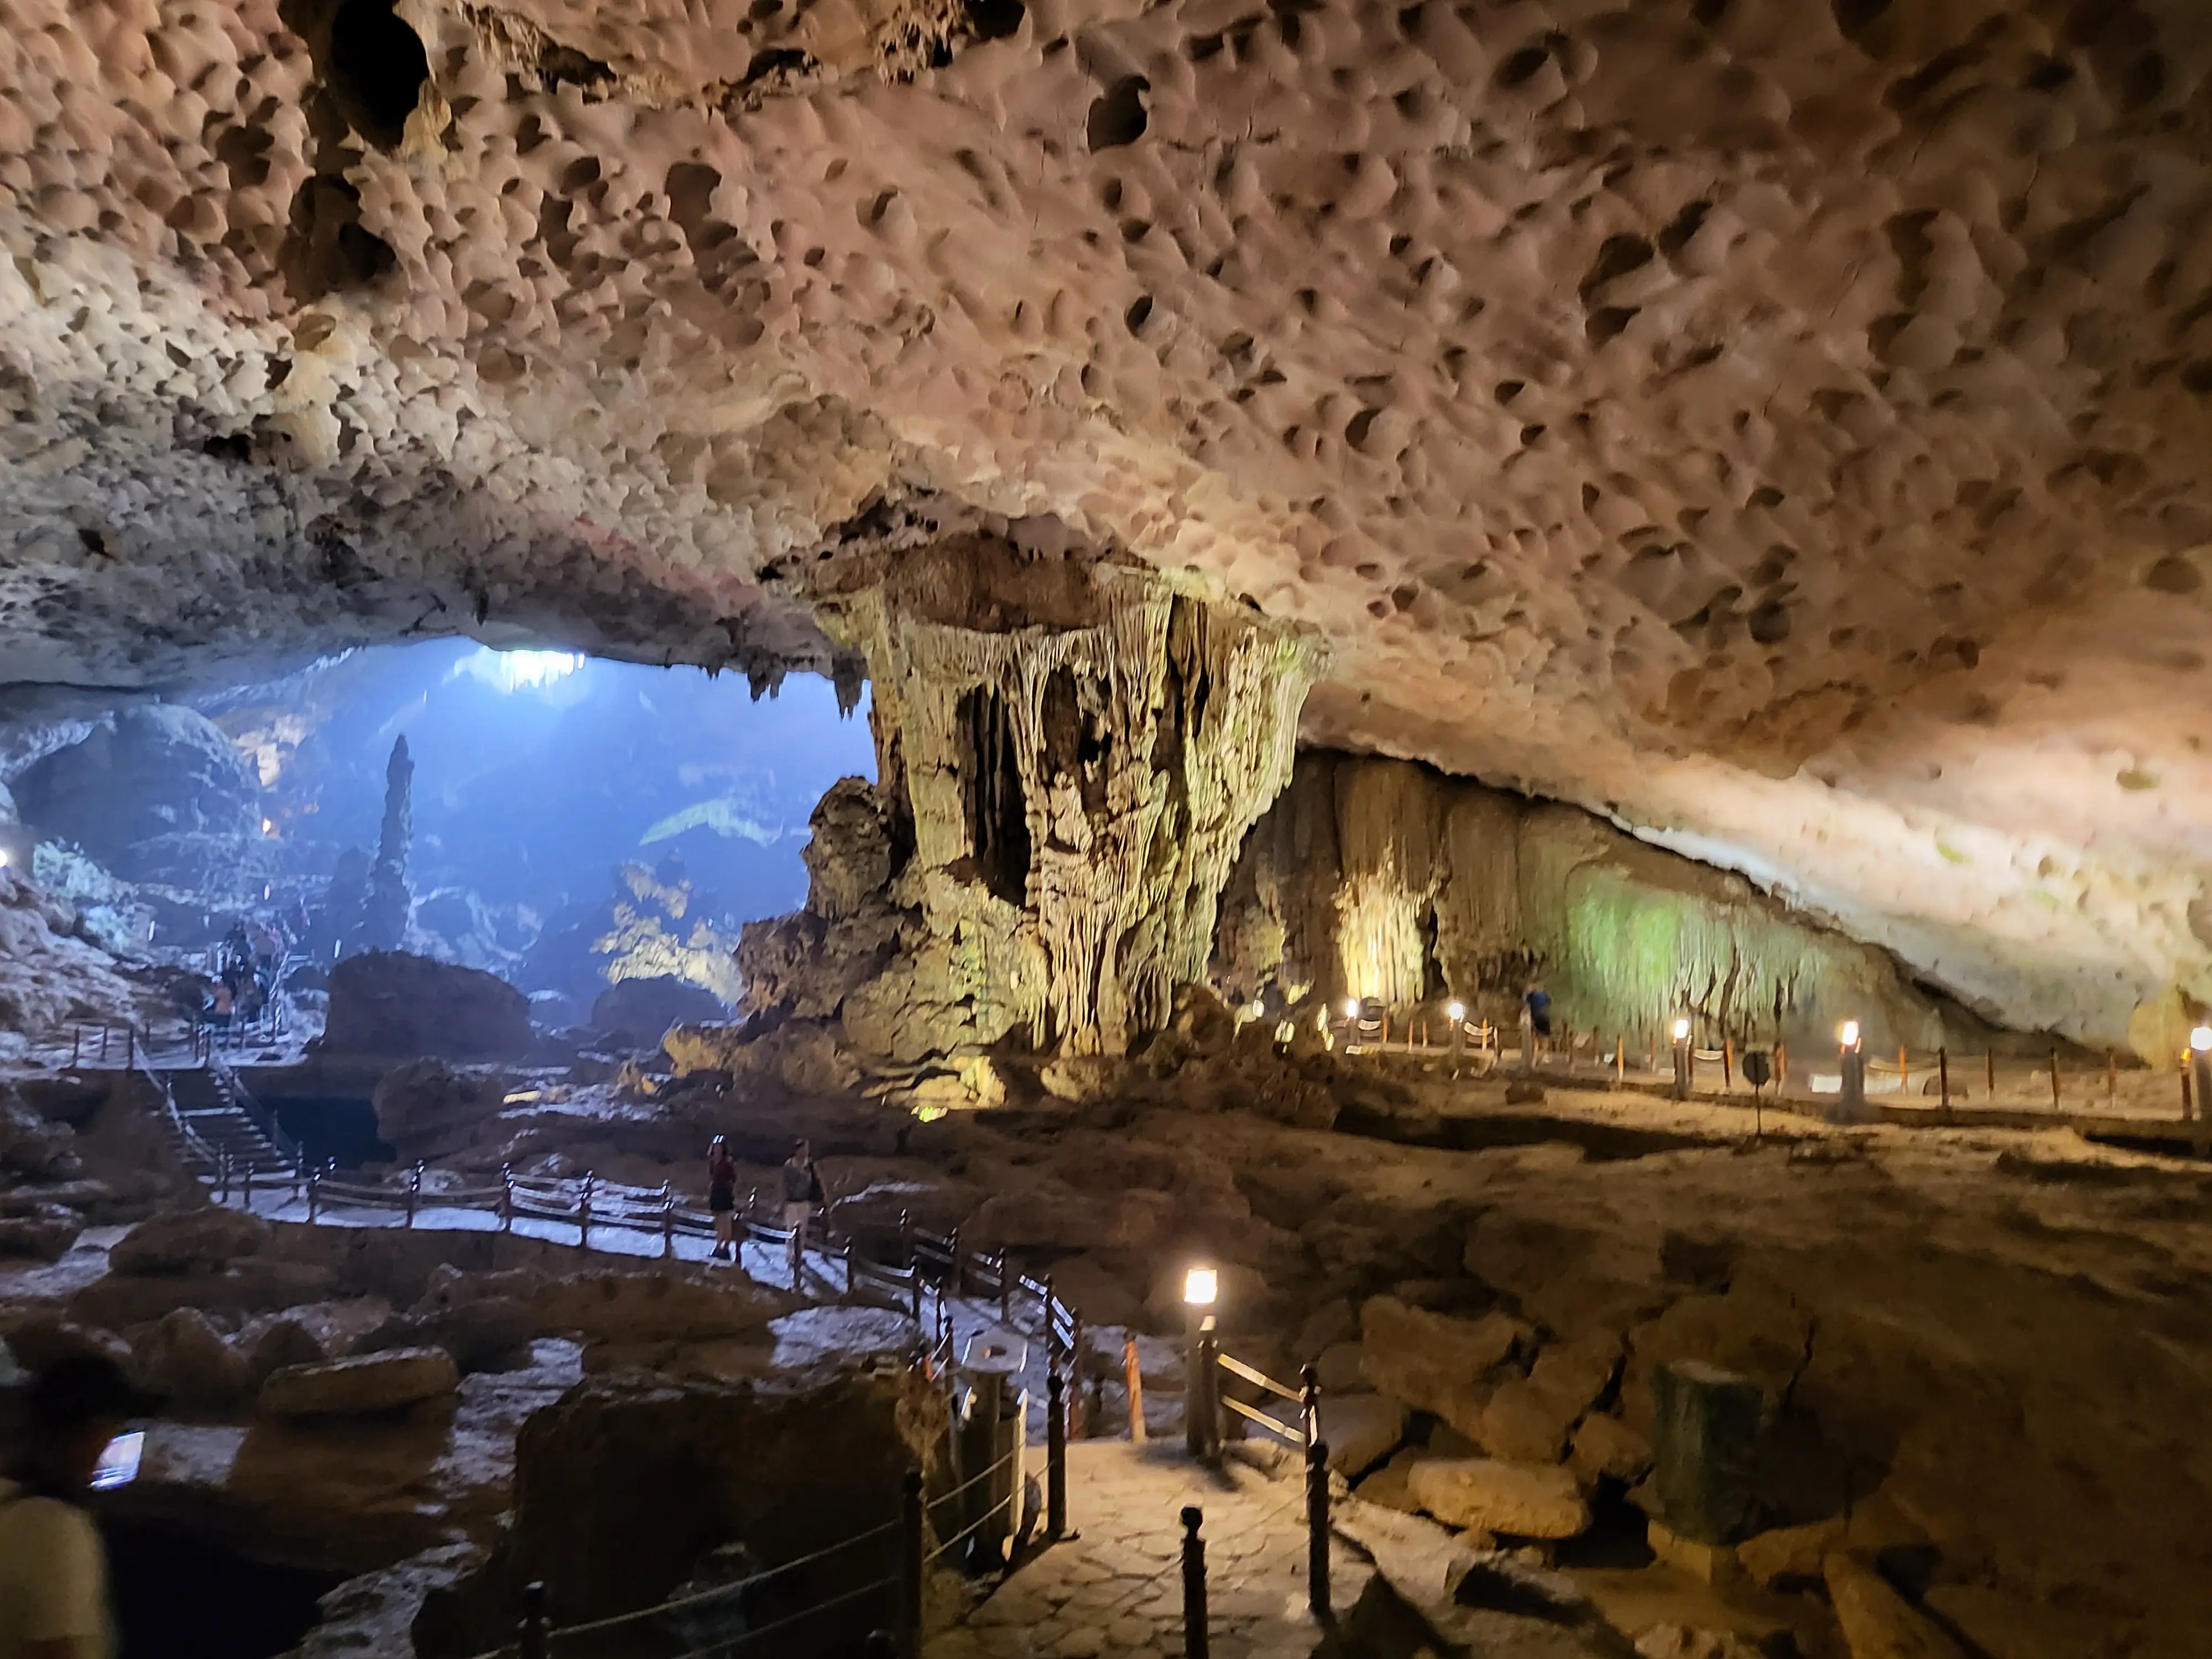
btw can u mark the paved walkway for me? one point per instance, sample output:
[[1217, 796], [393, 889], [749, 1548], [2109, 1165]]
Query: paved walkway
[[1113, 1589]]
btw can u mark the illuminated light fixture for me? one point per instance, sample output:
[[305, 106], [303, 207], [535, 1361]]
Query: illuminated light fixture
[[1257, 1009], [268, 826], [1455, 1011], [2201, 1039], [1681, 1031], [1848, 1034], [4, 859], [1351, 1007], [1200, 1286]]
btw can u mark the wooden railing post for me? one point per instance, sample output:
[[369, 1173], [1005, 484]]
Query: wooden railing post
[[1193, 1584], [910, 1566], [1006, 1290], [246, 1195], [1318, 1586], [77, 1046], [584, 1212], [1134, 1372], [2054, 1081], [952, 1287], [1309, 1404], [1990, 1055], [1944, 1080], [1055, 1453], [535, 1637], [414, 1191], [130, 1047], [667, 1222], [506, 1198], [314, 1193]]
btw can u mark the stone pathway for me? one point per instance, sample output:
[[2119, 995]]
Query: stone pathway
[[1114, 1590]]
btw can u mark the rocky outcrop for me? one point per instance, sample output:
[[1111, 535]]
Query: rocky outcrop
[[361, 1385], [185, 1359], [1380, 878], [1446, 1366], [1069, 754], [198, 1241], [389, 1003], [431, 1103], [640, 1010], [1521, 1500], [155, 793], [621, 1491], [387, 901]]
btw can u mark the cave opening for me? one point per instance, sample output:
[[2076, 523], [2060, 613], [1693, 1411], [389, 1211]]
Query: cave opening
[[376, 67], [566, 822], [991, 798], [338, 1129]]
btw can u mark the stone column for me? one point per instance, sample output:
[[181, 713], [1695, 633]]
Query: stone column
[[1078, 752]]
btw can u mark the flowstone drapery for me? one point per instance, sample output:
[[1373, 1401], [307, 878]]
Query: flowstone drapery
[[1073, 754]]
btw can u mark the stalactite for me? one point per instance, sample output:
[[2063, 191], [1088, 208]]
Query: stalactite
[[1080, 753]]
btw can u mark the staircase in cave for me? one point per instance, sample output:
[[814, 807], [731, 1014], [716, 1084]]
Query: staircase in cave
[[212, 1105]]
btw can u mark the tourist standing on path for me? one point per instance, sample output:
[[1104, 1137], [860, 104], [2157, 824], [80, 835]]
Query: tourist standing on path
[[802, 1191], [722, 1198], [54, 1568], [1536, 1023]]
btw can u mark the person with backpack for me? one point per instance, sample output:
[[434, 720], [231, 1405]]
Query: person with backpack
[[802, 1195], [722, 1198], [54, 1599]]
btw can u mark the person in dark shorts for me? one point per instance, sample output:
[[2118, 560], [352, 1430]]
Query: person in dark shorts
[[722, 1198], [802, 1195], [1536, 1023]]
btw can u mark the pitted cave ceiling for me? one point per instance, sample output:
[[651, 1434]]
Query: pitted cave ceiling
[[1781, 424]]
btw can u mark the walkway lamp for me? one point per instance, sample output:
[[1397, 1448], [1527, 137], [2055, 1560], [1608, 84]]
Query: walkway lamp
[[1683, 1060], [1850, 1099], [1201, 1285]]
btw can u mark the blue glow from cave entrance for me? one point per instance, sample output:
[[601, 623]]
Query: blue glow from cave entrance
[[519, 671]]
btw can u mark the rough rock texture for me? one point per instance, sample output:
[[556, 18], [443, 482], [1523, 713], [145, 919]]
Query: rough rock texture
[[1384, 879], [357, 1386], [429, 1103], [619, 1489], [1446, 1366], [1524, 1500], [387, 1002], [387, 905], [1795, 447], [1069, 754], [155, 793], [189, 1241], [645, 1007]]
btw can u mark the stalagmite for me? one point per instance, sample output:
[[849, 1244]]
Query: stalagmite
[[390, 904]]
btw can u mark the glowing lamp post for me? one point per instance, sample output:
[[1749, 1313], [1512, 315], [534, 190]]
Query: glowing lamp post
[[1201, 1416], [2200, 1072], [1851, 1060], [1683, 1060], [1456, 1013]]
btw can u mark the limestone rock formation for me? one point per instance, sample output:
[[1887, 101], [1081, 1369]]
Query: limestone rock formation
[[645, 1006], [1380, 878], [354, 1387], [189, 1241], [1525, 1500], [389, 1003], [429, 1102], [1776, 424], [155, 793], [388, 902], [1069, 754]]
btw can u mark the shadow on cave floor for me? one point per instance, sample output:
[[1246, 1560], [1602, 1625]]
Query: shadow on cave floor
[[1602, 1143]]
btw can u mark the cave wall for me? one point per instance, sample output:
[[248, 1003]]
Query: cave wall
[[1069, 758], [1382, 878]]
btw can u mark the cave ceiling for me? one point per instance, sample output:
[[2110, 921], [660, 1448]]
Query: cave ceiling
[[1781, 424]]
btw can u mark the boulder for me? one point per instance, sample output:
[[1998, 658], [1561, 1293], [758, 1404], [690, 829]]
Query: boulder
[[1529, 1418], [1361, 1430], [490, 1333], [620, 1485], [429, 1102], [1392, 1485], [816, 1337], [269, 1345], [30, 1145], [188, 1242], [1521, 1500], [1606, 1449], [645, 1007], [387, 1002], [38, 1341], [44, 1236], [639, 1305], [1877, 1622], [1443, 1364], [356, 1386], [185, 1358]]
